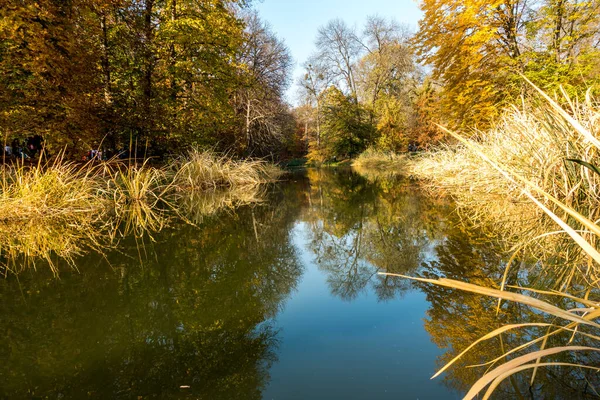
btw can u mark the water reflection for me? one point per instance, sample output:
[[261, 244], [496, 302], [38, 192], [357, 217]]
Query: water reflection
[[56, 241], [359, 228], [456, 319], [193, 313]]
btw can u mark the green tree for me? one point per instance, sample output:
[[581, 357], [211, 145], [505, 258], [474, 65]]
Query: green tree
[[345, 131]]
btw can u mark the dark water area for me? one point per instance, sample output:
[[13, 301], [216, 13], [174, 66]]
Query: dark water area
[[280, 300]]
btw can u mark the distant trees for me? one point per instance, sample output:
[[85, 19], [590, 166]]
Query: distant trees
[[389, 80], [338, 50], [346, 126], [360, 86], [168, 74], [462, 67]]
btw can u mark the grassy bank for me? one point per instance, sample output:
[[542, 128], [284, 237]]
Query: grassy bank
[[534, 179], [538, 146], [541, 157], [374, 164], [60, 208]]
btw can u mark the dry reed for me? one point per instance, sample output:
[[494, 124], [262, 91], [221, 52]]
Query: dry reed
[[378, 162], [58, 209], [540, 163], [543, 148]]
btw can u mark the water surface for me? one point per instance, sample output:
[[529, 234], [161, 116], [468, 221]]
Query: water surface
[[280, 300]]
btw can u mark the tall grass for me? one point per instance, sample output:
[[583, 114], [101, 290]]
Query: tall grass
[[374, 163], [49, 209], [207, 170], [538, 148], [540, 163], [59, 209], [49, 190]]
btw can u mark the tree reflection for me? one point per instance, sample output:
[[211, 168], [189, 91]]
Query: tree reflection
[[456, 319], [195, 313], [359, 228], [193, 307]]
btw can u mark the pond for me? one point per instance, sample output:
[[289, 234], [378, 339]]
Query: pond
[[277, 300]]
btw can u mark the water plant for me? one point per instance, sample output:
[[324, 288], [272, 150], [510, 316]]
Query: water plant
[[60, 209]]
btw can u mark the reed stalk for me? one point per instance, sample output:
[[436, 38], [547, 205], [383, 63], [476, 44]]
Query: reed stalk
[[534, 176]]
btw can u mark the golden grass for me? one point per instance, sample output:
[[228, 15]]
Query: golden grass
[[59, 209], [195, 206], [207, 170], [51, 190], [534, 146], [539, 163], [373, 160]]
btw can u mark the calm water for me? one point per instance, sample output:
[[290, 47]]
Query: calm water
[[277, 301]]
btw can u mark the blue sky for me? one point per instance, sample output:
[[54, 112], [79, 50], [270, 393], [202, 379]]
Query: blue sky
[[297, 21]]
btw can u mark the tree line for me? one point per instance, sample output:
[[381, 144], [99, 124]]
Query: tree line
[[160, 75], [165, 75], [382, 86]]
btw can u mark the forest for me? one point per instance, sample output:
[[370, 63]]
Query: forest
[[163, 75], [168, 75]]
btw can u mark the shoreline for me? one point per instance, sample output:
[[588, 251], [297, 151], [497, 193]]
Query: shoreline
[[60, 208]]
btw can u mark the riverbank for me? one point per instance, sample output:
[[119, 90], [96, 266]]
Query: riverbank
[[539, 150], [534, 181], [57, 208]]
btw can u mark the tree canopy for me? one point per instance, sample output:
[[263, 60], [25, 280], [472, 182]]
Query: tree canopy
[[163, 74]]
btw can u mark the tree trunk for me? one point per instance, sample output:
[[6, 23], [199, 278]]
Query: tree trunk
[[558, 23], [248, 106], [105, 60], [173, 55], [147, 90], [318, 124]]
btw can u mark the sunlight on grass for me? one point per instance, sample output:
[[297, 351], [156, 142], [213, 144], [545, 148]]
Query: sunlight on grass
[[534, 173], [57, 210]]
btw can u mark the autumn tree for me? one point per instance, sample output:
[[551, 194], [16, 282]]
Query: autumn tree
[[174, 71], [427, 112], [470, 45], [569, 35], [196, 68], [388, 81], [385, 67], [48, 84], [305, 116], [266, 66], [478, 49], [158, 73]]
